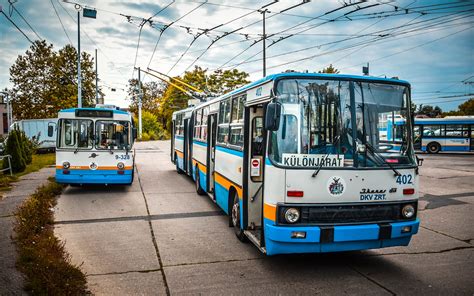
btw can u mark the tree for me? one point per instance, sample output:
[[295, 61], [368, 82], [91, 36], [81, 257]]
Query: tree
[[152, 92], [329, 70], [467, 108], [429, 111], [44, 81], [14, 148]]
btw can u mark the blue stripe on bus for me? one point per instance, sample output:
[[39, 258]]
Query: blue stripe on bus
[[222, 197], [93, 177], [230, 151], [200, 143], [94, 109]]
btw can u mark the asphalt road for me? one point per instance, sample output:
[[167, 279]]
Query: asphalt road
[[158, 236]]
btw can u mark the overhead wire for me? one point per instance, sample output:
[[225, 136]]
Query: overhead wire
[[34, 31], [61, 22], [18, 28]]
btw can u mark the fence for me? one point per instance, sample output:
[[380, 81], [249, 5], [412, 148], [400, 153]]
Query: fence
[[9, 157]]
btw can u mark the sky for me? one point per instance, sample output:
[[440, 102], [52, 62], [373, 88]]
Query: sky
[[428, 43]]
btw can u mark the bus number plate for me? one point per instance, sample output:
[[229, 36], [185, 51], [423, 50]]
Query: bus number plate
[[404, 179], [122, 157]]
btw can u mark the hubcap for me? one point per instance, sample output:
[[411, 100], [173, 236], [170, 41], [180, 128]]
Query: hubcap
[[235, 214]]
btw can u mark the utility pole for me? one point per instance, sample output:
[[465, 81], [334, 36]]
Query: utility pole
[[79, 81], [264, 45], [96, 80], [139, 105], [9, 110]]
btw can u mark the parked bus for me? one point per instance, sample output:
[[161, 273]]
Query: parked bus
[[296, 161], [37, 131], [94, 146], [432, 135]]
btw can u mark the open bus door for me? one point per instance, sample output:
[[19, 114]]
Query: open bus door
[[211, 151], [471, 145], [254, 162], [173, 125]]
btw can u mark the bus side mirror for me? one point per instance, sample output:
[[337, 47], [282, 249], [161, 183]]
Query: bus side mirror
[[50, 129], [272, 116], [134, 133]]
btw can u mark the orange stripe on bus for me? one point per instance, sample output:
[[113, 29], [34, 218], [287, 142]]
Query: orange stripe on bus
[[98, 168], [227, 183], [179, 153], [201, 167], [269, 212]]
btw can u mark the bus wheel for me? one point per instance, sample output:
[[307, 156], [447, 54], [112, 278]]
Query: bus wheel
[[199, 189], [235, 216], [434, 148], [177, 166]]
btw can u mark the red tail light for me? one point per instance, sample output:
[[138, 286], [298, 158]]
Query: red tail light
[[120, 172], [295, 193], [408, 191], [391, 160], [66, 172]]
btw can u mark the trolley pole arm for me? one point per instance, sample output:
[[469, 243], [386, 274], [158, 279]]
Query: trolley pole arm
[[173, 84], [178, 80]]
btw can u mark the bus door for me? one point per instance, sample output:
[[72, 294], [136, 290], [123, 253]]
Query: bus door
[[211, 151], [185, 145], [471, 147], [173, 125], [254, 162], [189, 146]]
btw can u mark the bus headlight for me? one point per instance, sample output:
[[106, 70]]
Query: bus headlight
[[408, 211], [292, 215], [120, 166], [66, 165]]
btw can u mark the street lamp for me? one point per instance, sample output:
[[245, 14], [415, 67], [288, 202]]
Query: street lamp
[[90, 13], [9, 109]]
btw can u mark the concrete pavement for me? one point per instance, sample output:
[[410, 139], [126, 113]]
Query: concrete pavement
[[159, 237]]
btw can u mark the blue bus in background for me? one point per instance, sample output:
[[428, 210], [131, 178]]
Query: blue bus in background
[[432, 135]]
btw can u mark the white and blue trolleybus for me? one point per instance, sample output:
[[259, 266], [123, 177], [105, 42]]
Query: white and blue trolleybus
[[299, 164], [94, 146]]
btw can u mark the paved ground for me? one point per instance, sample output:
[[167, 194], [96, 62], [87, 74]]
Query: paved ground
[[11, 280], [159, 237]]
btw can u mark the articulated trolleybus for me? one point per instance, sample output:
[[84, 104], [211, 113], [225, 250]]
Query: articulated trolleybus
[[94, 146], [297, 162]]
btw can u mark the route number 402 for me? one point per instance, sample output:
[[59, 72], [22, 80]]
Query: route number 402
[[404, 179]]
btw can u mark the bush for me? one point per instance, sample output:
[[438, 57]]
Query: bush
[[16, 149], [151, 128]]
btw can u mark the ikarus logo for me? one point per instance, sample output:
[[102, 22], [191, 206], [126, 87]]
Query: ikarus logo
[[336, 186], [93, 166]]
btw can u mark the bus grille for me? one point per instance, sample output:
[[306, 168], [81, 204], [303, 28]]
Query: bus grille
[[347, 214]]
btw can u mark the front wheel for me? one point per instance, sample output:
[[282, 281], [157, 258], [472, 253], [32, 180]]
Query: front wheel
[[235, 217]]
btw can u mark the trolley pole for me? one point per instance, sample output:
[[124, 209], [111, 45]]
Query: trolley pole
[[96, 80], [79, 81], [139, 105]]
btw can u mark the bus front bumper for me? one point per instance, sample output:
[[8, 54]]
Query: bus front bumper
[[316, 239], [94, 177]]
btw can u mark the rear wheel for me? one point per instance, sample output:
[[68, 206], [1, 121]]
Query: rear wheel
[[235, 218], [199, 189], [433, 148]]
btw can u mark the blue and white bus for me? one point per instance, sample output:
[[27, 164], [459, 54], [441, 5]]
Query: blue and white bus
[[297, 162], [455, 133], [94, 146], [432, 135]]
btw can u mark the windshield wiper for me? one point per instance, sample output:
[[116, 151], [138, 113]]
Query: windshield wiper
[[316, 172], [377, 155]]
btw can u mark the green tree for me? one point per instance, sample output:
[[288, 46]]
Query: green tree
[[151, 127], [329, 70], [44, 81], [152, 92], [429, 111], [467, 108]]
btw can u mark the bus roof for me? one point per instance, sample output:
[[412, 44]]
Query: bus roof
[[114, 110], [446, 120]]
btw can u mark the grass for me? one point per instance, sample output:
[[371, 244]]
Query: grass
[[39, 161], [41, 255]]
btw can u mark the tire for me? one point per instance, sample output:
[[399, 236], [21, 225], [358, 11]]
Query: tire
[[177, 166], [199, 189], [235, 219], [433, 148]]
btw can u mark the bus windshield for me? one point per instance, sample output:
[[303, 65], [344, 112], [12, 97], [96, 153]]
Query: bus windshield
[[113, 134], [341, 123], [76, 133]]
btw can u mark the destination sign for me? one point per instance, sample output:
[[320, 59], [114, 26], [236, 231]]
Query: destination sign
[[313, 160]]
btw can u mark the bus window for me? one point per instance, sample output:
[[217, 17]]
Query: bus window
[[257, 136], [197, 124], [112, 134], [224, 118], [76, 133], [457, 131], [433, 131], [237, 124]]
